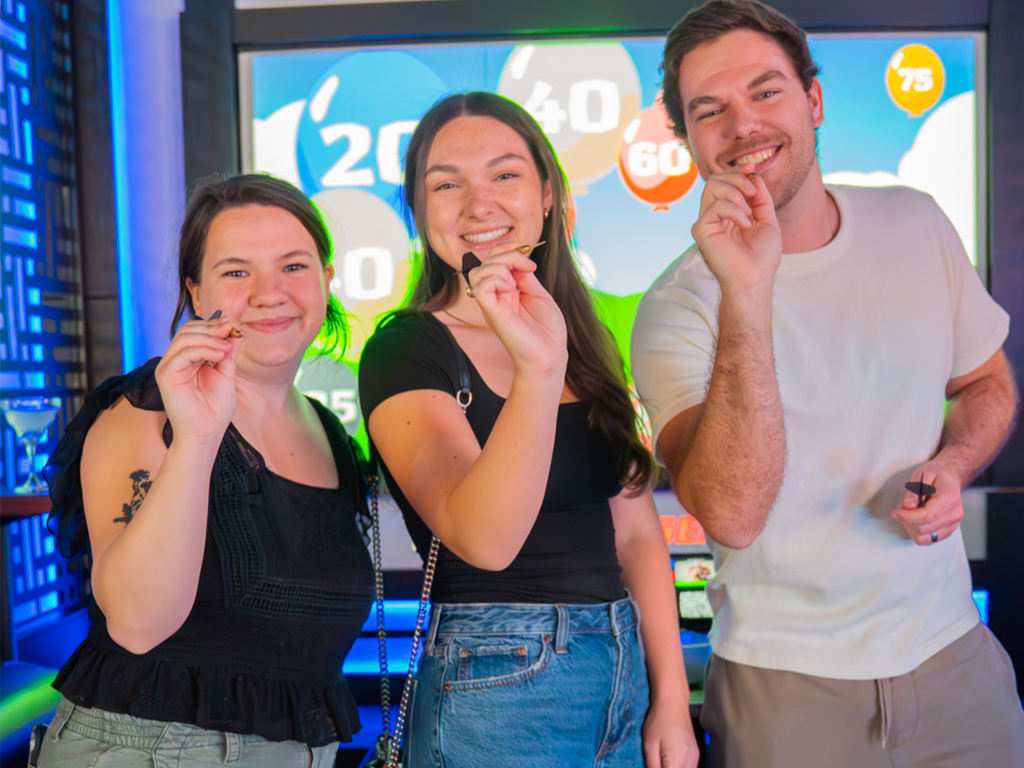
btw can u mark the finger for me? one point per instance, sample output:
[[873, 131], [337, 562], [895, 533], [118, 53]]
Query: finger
[[222, 328], [739, 190], [722, 211], [761, 203], [652, 754], [941, 534], [227, 365], [187, 356], [739, 178], [529, 284]]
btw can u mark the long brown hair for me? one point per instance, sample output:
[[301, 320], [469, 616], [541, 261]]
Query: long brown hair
[[595, 371]]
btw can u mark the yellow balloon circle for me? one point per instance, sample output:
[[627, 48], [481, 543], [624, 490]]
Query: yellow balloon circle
[[915, 78]]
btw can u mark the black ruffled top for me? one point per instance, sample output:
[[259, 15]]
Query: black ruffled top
[[285, 586]]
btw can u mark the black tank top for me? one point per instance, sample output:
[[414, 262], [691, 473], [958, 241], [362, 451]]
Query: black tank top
[[285, 586], [569, 555]]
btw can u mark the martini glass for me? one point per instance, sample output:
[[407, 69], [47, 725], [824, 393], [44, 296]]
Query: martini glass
[[30, 417]]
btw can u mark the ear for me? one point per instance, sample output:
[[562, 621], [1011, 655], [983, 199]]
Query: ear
[[193, 289], [328, 276], [547, 197], [693, 160], [817, 102]]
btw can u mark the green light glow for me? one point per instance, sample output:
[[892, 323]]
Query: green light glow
[[29, 704]]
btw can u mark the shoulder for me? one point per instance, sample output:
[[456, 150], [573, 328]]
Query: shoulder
[[408, 352], [686, 283], [893, 202], [120, 415], [401, 335]]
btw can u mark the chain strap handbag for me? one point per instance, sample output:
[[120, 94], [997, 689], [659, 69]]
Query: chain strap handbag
[[389, 746]]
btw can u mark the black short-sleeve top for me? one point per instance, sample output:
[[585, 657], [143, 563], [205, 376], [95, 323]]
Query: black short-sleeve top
[[284, 588], [569, 555]]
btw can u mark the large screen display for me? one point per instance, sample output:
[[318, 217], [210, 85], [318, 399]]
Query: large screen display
[[898, 110]]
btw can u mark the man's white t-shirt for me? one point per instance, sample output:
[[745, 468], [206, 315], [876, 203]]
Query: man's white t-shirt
[[867, 332]]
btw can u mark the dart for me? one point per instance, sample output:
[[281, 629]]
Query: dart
[[469, 261], [922, 489]]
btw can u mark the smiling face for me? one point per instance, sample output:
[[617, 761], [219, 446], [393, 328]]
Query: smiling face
[[261, 269], [744, 104], [482, 190]]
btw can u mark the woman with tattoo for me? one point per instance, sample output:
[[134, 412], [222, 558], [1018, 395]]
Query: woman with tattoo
[[220, 507]]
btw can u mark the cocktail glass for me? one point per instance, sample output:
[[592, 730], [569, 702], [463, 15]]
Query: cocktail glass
[[30, 417]]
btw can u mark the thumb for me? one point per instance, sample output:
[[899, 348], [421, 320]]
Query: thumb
[[761, 204], [227, 366]]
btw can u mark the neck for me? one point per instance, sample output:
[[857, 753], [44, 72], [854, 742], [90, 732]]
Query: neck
[[811, 219], [465, 309], [255, 396]]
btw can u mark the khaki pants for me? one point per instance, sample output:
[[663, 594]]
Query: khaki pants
[[80, 737], [959, 709]]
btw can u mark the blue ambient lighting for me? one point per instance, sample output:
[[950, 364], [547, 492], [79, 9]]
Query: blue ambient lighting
[[120, 151], [981, 600]]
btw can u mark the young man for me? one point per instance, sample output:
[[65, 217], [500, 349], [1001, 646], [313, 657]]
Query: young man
[[794, 363]]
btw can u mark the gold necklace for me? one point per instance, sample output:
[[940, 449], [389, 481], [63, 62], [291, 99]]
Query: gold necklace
[[464, 322]]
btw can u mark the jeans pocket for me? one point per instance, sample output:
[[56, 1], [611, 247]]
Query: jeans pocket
[[490, 662]]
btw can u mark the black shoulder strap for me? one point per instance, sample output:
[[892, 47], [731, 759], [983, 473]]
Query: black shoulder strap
[[464, 396]]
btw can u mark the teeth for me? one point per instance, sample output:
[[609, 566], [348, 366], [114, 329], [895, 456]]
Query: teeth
[[757, 157], [486, 237]]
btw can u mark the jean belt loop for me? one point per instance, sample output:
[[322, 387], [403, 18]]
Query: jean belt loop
[[617, 615], [435, 621], [232, 748], [57, 728], [562, 629]]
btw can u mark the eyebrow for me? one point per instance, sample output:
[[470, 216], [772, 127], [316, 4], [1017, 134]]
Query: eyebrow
[[490, 163], [238, 261], [771, 74]]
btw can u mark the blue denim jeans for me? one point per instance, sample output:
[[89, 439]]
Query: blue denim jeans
[[80, 737], [529, 686]]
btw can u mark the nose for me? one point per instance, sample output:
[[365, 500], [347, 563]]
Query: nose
[[479, 201], [267, 290], [744, 120]]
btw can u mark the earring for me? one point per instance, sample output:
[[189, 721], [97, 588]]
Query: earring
[[547, 211]]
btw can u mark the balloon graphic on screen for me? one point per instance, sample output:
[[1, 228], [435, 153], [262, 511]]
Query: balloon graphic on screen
[[334, 384], [371, 257], [358, 118], [583, 96], [655, 165], [915, 78]]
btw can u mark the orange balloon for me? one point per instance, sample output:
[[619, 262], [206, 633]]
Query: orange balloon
[[655, 165]]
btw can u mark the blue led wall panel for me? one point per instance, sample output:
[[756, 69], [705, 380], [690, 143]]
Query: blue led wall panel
[[41, 335], [43, 591]]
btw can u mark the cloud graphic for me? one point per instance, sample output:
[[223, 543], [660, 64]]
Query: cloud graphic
[[941, 162], [274, 140]]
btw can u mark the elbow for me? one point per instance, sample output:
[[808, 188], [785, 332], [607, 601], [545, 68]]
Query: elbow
[[734, 538], [489, 561], [494, 557], [725, 527], [135, 640]]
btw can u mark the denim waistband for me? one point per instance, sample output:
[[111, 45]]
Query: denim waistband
[[518, 618]]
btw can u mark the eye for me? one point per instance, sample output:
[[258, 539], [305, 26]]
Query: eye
[[709, 113], [295, 267], [506, 176], [236, 273], [443, 186], [765, 95]]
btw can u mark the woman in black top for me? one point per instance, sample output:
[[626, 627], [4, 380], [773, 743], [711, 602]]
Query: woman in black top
[[220, 506], [537, 489]]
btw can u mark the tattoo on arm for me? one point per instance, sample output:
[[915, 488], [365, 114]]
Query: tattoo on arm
[[140, 487]]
